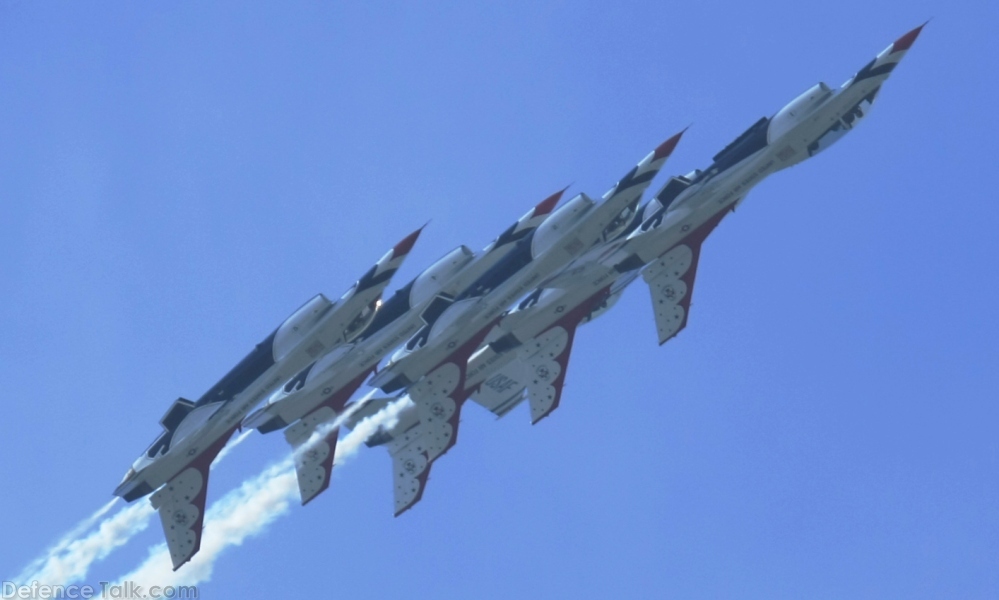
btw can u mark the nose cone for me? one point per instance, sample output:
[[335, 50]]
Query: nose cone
[[884, 63]]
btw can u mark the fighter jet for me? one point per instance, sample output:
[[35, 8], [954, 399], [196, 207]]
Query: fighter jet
[[431, 367], [195, 432], [667, 245], [529, 350], [314, 398]]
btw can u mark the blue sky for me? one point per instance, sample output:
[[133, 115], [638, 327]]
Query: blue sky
[[178, 177]]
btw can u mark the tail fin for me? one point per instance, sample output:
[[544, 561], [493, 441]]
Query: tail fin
[[885, 62], [387, 265], [527, 223]]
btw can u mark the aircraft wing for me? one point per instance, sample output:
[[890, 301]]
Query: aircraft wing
[[410, 468], [540, 364], [546, 369], [671, 280], [438, 398], [314, 457], [181, 505], [546, 358], [439, 395], [539, 369]]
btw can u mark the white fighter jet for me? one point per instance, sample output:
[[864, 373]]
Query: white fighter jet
[[526, 355], [314, 398], [431, 367], [530, 348], [667, 245], [195, 432]]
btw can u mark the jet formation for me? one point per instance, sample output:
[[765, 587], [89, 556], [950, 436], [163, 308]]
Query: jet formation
[[495, 327]]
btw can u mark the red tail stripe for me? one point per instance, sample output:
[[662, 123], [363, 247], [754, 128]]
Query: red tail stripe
[[403, 247], [905, 42], [666, 148], [545, 206]]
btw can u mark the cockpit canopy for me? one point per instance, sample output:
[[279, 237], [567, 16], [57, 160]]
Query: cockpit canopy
[[298, 325], [433, 278], [561, 220], [797, 110], [361, 320]]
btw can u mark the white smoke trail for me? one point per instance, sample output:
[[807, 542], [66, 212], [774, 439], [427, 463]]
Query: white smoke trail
[[249, 509], [241, 513], [64, 542], [387, 417], [70, 563], [68, 560], [229, 447]]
